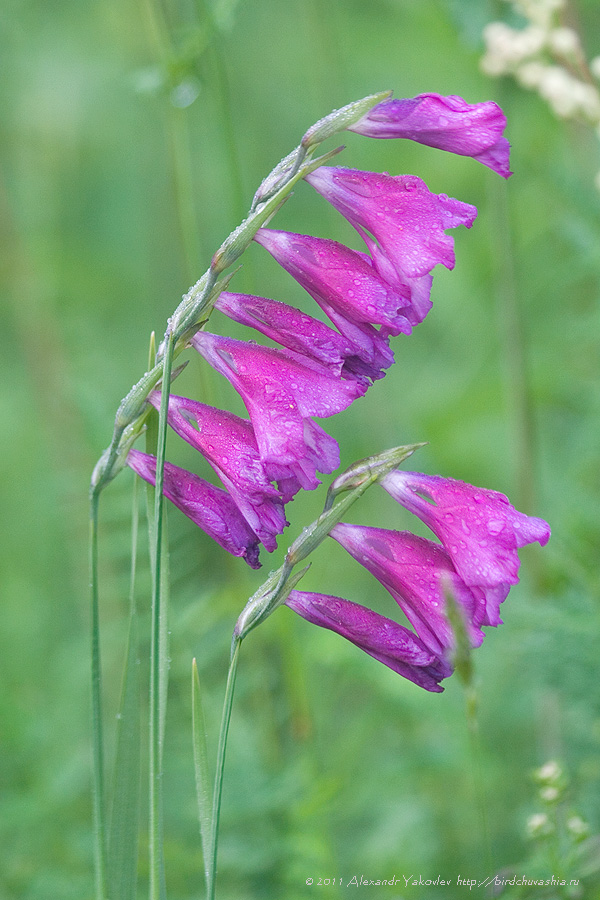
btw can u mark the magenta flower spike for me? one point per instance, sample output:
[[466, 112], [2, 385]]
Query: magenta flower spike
[[294, 330], [479, 529], [411, 568], [448, 123], [281, 391], [209, 507], [229, 444], [406, 219], [385, 640]]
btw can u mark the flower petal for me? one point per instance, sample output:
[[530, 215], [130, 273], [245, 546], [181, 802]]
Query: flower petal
[[209, 507], [401, 213], [448, 123], [479, 528], [340, 279], [382, 638], [229, 444], [411, 568], [281, 391], [292, 329]]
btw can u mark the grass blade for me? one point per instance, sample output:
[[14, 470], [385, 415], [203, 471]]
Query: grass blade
[[97, 729], [124, 827], [201, 770]]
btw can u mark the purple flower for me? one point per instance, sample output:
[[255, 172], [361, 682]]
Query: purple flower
[[411, 568], [229, 445], [479, 529], [349, 291], [448, 123], [340, 279], [209, 507], [281, 390], [401, 213], [294, 330], [382, 638]]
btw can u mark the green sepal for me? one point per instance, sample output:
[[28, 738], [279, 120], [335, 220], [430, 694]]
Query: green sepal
[[368, 469], [340, 119]]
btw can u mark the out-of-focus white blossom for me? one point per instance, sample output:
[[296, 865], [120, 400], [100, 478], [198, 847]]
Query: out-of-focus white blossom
[[539, 824], [546, 57], [550, 794], [556, 86], [595, 67], [578, 828], [564, 42], [541, 12], [530, 74], [549, 773]]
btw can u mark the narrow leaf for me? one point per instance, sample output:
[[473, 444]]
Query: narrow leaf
[[203, 779], [124, 826]]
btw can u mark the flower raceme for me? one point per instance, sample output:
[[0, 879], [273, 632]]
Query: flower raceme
[[476, 560], [318, 370]]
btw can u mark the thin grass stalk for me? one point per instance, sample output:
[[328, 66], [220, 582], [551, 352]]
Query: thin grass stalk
[[201, 771], [218, 791], [471, 705], [158, 659], [97, 728], [514, 350], [124, 827], [184, 189], [222, 83]]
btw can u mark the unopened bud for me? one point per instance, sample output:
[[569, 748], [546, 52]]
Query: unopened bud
[[340, 119]]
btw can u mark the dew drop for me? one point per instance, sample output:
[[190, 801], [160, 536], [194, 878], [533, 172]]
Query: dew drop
[[495, 526]]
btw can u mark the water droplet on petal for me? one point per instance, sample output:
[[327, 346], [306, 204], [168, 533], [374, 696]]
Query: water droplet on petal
[[495, 526]]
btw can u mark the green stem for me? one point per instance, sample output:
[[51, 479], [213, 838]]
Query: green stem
[[475, 746], [184, 188], [227, 706], [515, 355], [97, 731], [157, 661]]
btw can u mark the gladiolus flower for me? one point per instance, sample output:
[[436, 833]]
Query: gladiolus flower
[[229, 444], [403, 215], [383, 639], [340, 279], [479, 529], [411, 568], [209, 507], [294, 330], [281, 391], [448, 123], [349, 291]]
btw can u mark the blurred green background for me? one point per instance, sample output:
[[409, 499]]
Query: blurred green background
[[115, 191]]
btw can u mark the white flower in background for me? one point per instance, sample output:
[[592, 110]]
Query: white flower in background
[[548, 58]]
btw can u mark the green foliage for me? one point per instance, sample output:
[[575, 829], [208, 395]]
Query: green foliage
[[113, 202]]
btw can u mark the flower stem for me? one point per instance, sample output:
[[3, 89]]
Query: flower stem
[[226, 718], [514, 348], [471, 704], [97, 730], [158, 661]]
